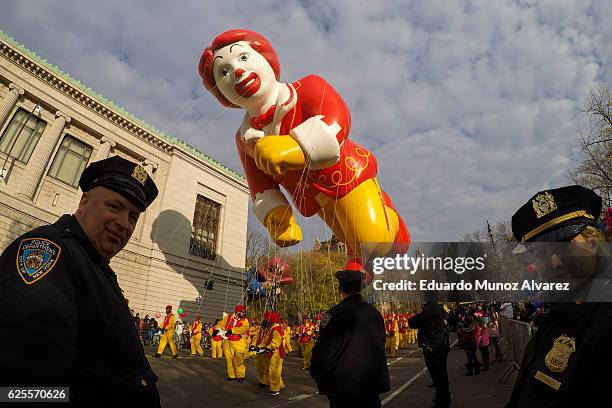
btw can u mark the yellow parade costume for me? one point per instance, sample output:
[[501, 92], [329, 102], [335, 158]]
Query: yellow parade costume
[[307, 342], [235, 347], [196, 337], [392, 335], [287, 338], [252, 338], [216, 342], [167, 336], [276, 354], [262, 362]]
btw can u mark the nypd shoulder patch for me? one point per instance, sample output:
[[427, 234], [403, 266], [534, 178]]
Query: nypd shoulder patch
[[36, 257], [325, 319]]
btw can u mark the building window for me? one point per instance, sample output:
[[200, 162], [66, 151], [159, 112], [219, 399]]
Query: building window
[[21, 135], [70, 161], [205, 228]]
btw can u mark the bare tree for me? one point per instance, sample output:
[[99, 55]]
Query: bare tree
[[594, 141], [259, 249]]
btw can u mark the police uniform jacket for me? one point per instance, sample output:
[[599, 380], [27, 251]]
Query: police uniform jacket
[[432, 326], [348, 359], [68, 323], [567, 361]]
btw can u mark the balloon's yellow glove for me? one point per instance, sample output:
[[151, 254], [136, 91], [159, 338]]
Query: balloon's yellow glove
[[276, 154], [282, 227]]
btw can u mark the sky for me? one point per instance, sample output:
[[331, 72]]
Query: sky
[[470, 107]]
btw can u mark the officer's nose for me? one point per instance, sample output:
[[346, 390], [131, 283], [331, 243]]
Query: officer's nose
[[239, 72]]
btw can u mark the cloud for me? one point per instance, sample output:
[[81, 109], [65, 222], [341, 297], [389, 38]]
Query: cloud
[[471, 106]]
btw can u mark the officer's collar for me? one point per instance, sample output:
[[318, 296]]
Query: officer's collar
[[70, 223], [354, 296]]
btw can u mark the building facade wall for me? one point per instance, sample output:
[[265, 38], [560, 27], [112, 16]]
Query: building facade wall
[[156, 267]]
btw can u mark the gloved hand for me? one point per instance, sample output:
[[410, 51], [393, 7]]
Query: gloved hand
[[276, 154], [215, 332], [282, 226]]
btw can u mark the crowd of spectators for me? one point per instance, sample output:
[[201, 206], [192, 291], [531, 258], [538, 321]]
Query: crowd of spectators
[[477, 328], [150, 332]]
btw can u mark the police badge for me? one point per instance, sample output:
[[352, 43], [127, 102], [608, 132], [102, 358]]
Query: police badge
[[543, 204], [557, 358], [140, 174], [36, 257]]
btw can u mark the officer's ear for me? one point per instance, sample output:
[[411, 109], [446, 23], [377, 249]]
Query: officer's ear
[[82, 203]]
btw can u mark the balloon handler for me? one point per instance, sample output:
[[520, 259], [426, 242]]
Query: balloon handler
[[296, 135]]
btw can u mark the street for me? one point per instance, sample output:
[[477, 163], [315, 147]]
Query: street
[[199, 382]]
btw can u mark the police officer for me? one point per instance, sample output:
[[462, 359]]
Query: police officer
[[567, 361], [341, 369], [74, 326], [433, 339]]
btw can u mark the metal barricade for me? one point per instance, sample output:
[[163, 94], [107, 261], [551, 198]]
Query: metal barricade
[[516, 335]]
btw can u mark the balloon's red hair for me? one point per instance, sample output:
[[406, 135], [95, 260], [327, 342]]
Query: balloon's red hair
[[257, 41]]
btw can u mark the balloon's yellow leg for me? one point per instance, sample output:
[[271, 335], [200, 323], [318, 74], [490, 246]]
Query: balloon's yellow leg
[[361, 217]]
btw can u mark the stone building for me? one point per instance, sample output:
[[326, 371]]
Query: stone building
[[188, 249]]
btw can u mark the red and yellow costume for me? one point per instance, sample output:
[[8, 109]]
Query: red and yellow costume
[[306, 332], [235, 347], [167, 336], [252, 337], [262, 362], [216, 342], [287, 337], [196, 337], [392, 335], [276, 344]]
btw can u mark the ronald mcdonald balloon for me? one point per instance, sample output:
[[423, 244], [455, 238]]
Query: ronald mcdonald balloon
[[296, 135]]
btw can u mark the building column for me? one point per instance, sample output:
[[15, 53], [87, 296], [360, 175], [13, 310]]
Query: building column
[[106, 145], [42, 154], [9, 102]]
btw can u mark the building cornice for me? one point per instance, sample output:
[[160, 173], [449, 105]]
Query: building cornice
[[64, 83]]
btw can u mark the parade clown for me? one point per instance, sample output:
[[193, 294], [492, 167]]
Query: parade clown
[[296, 135]]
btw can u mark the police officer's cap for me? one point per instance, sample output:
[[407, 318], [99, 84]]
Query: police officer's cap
[[350, 276], [350, 280], [557, 214], [122, 176]]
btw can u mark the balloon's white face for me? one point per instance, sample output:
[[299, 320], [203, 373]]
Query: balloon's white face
[[243, 75]]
